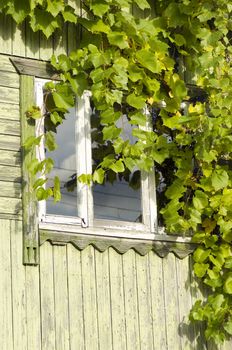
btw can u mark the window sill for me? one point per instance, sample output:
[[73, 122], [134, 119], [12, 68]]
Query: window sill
[[120, 240]]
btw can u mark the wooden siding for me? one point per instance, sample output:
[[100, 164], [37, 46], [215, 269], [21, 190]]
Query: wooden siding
[[10, 170], [79, 299], [23, 42], [91, 300]]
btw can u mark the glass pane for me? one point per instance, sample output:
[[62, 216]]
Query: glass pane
[[119, 198], [65, 167]]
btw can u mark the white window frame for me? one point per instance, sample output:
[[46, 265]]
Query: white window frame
[[86, 220]]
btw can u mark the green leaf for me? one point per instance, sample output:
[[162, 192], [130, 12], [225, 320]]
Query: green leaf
[[118, 166], [135, 73], [228, 284], [56, 118], [159, 155], [79, 83], [118, 39], [111, 132], [179, 40], [138, 118], [63, 101], [228, 326], [99, 7], [175, 190], [143, 4], [148, 60], [200, 269], [18, 9], [109, 116], [50, 141], [129, 163], [42, 194], [32, 141], [55, 6], [135, 101], [200, 200], [56, 189], [34, 112], [45, 22], [39, 182], [100, 26], [69, 15], [85, 178], [228, 263], [99, 175], [219, 179], [201, 254]]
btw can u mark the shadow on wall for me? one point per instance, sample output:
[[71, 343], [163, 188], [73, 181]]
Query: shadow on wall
[[22, 41]]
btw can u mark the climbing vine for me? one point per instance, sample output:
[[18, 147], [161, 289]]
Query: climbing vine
[[173, 63]]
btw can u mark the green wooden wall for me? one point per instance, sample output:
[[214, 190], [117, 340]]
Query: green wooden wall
[[75, 299]]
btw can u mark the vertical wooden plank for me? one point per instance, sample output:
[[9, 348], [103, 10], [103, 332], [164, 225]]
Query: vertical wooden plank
[[61, 297], [117, 300], [33, 308], [186, 330], [46, 47], [171, 302], [89, 297], [60, 41], [5, 33], [73, 32], [75, 296], [18, 39], [144, 303], [47, 297], [18, 288], [31, 42], [6, 334], [196, 293], [157, 300], [103, 300], [30, 206], [131, 301]]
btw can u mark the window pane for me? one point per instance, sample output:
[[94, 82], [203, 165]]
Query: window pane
[[119, 198], [117, 201], [65, 168]]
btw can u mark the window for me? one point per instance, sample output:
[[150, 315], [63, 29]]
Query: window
[[115, 205]]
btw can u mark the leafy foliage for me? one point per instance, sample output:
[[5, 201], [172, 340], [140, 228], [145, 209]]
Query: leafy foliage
[[137, 66]]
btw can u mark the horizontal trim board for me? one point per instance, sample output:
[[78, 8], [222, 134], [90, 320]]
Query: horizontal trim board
[[9, 95], [8, 142], [15, 217], [9, 127], [41, 69], [10, 157], [111, 231], [9, 111], [10, 205], [10, 189], [10, 173], [121, 245], [9, 79]]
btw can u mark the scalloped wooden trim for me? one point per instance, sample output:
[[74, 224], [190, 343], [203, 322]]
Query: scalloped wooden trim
[[121, 245]]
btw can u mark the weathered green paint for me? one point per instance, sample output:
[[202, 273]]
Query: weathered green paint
[[8, 142], [9, 127], [121, 245], [30, 220], [10, 158], [89, 300]]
